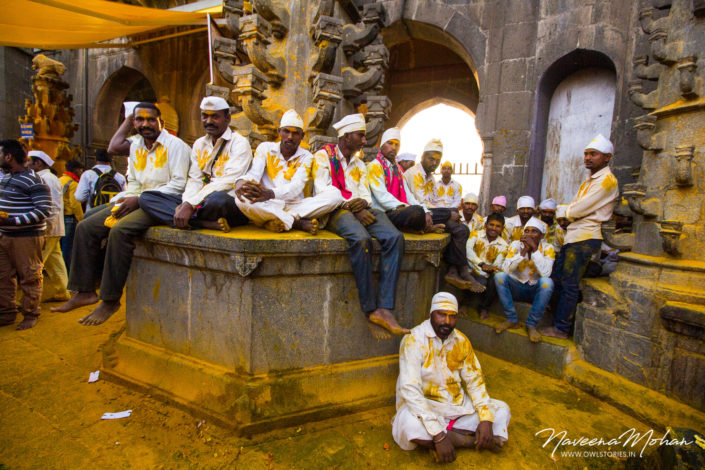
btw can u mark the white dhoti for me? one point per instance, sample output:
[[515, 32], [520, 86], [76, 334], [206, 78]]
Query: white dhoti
[[288, 211], [406, 427]]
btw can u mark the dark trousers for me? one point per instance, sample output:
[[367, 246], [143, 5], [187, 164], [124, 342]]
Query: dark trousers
[[490, 293], [70, 223], [87, 261], [359, 238], [218, 204], [410, 218], [568, 270], [455, 253]]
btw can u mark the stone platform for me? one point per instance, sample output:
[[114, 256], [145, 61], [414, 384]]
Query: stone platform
[[255, 329]]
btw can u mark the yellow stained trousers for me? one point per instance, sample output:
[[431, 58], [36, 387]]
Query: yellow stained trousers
[[56, 277]]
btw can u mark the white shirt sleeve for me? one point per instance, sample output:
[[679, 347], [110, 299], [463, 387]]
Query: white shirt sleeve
[[543, 261], [384, 198]]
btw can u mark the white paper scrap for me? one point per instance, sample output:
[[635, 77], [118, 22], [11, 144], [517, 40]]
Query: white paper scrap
[[121, 414], [93, 377]]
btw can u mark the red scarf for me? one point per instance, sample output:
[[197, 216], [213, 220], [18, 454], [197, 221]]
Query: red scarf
[[337, 174], [72, 176], [392, 178]]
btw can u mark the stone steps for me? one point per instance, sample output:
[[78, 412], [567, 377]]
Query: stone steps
[[550, 356]]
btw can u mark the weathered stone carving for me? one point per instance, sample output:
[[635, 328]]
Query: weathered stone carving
[[684, 318], [376, 62], [671, 232], [248, 93], [355, 37], [245, 264], [683, 173], [378, 108], [646, 101], [276, 14], [644, 71], [635, 193], [225, 54], [326, 35], [663, 52], [51, 114], [686, 77], [326, 95], [233, 10], [255, 33]]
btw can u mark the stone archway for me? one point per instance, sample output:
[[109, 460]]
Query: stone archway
[[427, 66], [125, 84]]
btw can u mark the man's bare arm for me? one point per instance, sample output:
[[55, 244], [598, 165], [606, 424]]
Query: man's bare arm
[[119, 145]]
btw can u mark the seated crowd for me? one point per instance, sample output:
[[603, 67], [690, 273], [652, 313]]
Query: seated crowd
[[538, 255]]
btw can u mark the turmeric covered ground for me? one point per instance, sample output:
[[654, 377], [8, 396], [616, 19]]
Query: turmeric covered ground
[[50, 418]]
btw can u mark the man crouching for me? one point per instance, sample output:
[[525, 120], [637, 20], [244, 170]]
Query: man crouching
[[434, 408]]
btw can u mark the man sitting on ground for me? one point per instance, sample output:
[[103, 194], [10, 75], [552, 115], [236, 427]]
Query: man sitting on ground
[[526, 277], [515, 225], [486, 251], [391, 194], [450, 193], [157, 161], [25, 204], [470, 217], [56, 278], [218, 159], [555, 235], [442, 402], [592, 205], [423, 185], [357, 222], [271, 194], [406, 161]]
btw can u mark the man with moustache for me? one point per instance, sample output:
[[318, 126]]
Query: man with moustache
[[218, 159], [470, 217], [450, 193], [593, 205], [515, 225], [271, 194], [526, 277], [390, 193], [423, 185], [486, 251], [442, 403], [157, 161], [555, 235], [357, 222]]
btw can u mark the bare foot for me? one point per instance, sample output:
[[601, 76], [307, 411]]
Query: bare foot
[[462, 439], [79, 300], [456, 281], [505, 326], [484, 314], [384, 318], [27, 323], [275, 225], [307, 225], [220, 224], [102, 312], [553, 333], [474, 286], [378, 332], [534, 334], [437, 228]]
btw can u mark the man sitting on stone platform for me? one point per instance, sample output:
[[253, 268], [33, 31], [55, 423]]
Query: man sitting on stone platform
[[218, 159], [555, 235], [470, 217], [357, 222], [391, 194], [592, 205], [271, 193], [442, 403], [423, 185], [515, 225], [450, 193], [157, 161], [526, 277], [406, 161], [486, 251]]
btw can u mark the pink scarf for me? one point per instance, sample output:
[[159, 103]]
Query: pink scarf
[[337, 173], [392, 178]]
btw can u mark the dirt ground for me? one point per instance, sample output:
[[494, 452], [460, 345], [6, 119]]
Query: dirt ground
[[50, 418]]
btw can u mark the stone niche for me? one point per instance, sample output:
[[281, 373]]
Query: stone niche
[[255, 330]]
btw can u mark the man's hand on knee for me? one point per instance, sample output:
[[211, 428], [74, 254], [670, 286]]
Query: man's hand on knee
[[365, 217], [127, 205], [483, 435], [444, 448], [183, 214]]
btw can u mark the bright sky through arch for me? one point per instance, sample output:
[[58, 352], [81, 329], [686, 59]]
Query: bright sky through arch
[[457, 131]]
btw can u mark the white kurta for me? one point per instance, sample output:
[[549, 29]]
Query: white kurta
[[287, 179], [355, 171], [423, 186], [221, 174], [55, 221], [592, 205], [382, 199], [440, 381], [449, 195], [480, 250], [529, 268]]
